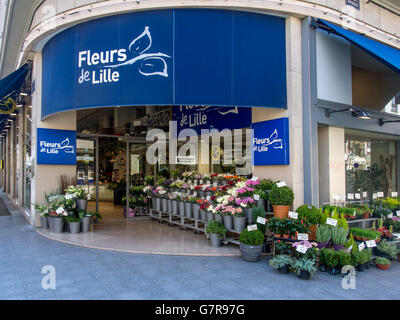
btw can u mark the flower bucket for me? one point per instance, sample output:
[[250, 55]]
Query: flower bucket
[[86, 223], [169, 205], [156, 203], [196, 210], [81, 204], [249, 215], [181, 208], [174, 207], [164, 205], [281, 211], [228, 222], [239, 223], [44, 222], [203, 215], [210, 216], [56, 224], [74, 227], [218, 217], [188, 210], [215, 241]]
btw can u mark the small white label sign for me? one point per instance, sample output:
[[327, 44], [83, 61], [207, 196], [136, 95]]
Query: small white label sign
[[201, 181], [208, 198], [256, 197], [215, 184], [332, 222], [339, 197], [394, 194], [349, 249], [357, 196], [302, 236], [293, 215], [350, 196], [301, 248], [281, 184], [365, 194], [370, 243], [398, 213], [254, 179], [380, 195], [252, 227], [390, 216], [374, 196], [261, 220], [361, 246]]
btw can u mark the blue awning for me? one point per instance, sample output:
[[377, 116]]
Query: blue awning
[[384, 53]]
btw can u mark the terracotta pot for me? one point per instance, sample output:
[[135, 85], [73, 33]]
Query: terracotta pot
[[293, 237], [312, 235], [286, 236], [383, 266], [281, 211], [366, 215], [277, 235]]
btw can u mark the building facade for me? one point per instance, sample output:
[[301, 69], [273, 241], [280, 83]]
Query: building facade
[[98, 67]]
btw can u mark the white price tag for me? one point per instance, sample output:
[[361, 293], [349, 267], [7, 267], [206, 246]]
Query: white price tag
[[281, 184], [361, 246], [201, 181], [252, 227], [301, 248], [370, 243], [261, 220], [293, 215], [215, 184], [396, 235], [350, 196], [349, 248], [254, 179], [398, 213], [374, 196], [339, 197], [394, 194], [60, 210], [332, 222], [390, 216], [256, 197], [380, 195], [302, 236], [365, 194], [357, 196]]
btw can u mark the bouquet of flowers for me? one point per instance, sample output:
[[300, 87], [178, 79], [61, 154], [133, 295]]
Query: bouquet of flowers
[[245, 202]]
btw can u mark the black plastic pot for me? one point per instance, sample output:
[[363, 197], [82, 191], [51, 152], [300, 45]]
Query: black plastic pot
[[284, 270], [360, 268], [322, 268], [333, 271], [304, 274]]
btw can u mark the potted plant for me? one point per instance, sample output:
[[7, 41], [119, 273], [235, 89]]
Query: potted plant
[[251, 243], [188, 207], [74, 223], [56, 220], [382, 263], [80, 196], [86, 218], [274, 224], [44, 213], [331, 261], [239, 220], [195, 208], [387, 250], [304, 267], [217, 232], [323, 235], [281, 262], [312, 215], [281, 199], [339, 237]]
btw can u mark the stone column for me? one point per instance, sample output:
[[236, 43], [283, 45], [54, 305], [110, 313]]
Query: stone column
[[45, 177]]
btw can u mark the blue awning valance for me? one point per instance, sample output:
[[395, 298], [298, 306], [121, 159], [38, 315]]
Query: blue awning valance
[[387, 55]]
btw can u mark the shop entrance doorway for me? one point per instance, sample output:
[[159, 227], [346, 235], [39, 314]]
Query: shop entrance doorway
[[107, 167]]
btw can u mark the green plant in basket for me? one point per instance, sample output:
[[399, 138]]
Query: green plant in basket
[[282, 196], [253, 238]]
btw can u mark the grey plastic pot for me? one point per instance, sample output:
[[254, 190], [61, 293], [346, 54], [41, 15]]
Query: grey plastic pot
[[250, 253], [169, 205], [210, 216], [174, 207], [239, 223], [228, 222], [156, 203], [218, 217], [196, 210], [81, 204], [74, 227], [249, 215], [208, 193], [200, 193], [56, 224], [86, 223], [164, 205], [188, 210], [44, 222], [203, 215], [215, 240], [181, 208]]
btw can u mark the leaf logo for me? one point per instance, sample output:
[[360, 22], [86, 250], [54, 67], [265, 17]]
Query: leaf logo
[[151, 64], [273, 141]]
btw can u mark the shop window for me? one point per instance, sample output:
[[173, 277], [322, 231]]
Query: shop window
[[370, 165]]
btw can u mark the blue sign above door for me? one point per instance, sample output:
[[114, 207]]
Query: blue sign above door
[[270, 142], [56, 147], [207, 117], [167, 57]]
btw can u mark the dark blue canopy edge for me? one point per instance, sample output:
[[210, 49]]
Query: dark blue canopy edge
[[9, 88], [389, 56]]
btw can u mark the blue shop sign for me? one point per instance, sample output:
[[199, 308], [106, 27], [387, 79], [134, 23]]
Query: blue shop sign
[[56, 147], [270, 142], [167, 57], [209, 117]]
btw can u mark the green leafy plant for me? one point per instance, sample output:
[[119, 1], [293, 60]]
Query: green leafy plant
[[72, 219], [365, 233], [344, 258], [43, 210], [382, 261], [282, 247], [175, 173], [253, 238], [94, 214], [280, 261], [216, 227], [339, 235], [281, 196], [309, 213], [365, 256], [149, 180], [389, 249], [323, 233], [274, 224], [304, 264], [259, 212], [331, 257]]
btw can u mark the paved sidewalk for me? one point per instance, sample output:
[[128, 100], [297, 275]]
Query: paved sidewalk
[[83, 273]]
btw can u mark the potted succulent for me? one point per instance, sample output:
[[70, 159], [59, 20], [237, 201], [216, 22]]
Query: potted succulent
[[304, 267], [44, 213], [74, 223], [382, 263], [281, 262], [323, 235], [251, 244], [339, 237], [281, 199], [217, 232]]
